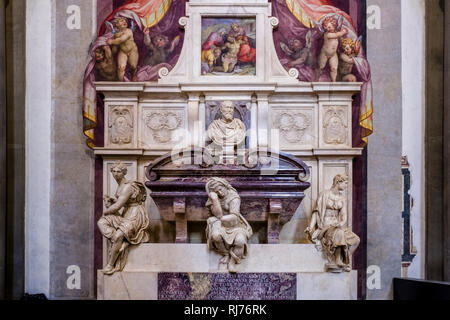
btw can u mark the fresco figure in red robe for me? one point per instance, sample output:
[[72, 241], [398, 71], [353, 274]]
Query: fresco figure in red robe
[[246, 54]]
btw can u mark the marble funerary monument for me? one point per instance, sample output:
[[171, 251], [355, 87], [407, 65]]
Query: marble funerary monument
[[228, 186]]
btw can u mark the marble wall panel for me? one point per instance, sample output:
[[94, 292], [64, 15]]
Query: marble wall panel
[[335, 129], [296, 125], [328, 169], [109, 184], [162, 128], [294, 230], [323, 286], [120, 125]]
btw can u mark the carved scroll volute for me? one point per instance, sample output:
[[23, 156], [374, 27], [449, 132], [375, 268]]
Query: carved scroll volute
[[183, 22], [274, 22], [152, 176], [304, 176], [121, 124]]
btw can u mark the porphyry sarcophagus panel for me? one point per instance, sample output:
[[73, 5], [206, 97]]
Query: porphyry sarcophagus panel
[[272, 176], [271, 187], [225, 286]]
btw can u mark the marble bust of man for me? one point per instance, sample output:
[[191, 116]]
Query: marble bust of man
[[227, 131]]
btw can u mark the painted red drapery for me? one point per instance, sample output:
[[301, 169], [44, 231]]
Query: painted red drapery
[[144, 14], [247, 53], [149, 12], [308, 11]]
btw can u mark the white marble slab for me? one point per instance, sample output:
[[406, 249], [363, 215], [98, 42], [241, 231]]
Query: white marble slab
[[289, 258], [132, 285], [327, 286], [127, 286]]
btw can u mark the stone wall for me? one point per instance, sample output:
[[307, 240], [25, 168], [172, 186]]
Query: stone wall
[[72, 202], [60, 167], [434, 161], [384, 190], [2, 150], [15, 134], [413, 124]]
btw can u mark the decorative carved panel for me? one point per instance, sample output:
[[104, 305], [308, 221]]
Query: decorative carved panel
[[161, 127], [120, 125], [335, 125], [163, 124], [293, 125], [296, 128]]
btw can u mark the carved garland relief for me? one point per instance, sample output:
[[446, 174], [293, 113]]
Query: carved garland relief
[[293, 125], [163, 124]]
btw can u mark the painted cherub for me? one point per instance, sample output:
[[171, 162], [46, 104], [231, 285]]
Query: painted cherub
[[105, 64], [298, 53], [236, 30], [350, 50], [328, 54], [211, 59], [128, 51], [158, 48]]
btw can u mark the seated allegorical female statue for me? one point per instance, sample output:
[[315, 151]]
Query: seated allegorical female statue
[[227, 231], [328, 228], [129, 226]]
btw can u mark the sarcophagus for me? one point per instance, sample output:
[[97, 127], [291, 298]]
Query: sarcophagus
[[271, 186]]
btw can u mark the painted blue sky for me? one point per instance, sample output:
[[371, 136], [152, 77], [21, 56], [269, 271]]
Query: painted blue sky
[[207, 22]]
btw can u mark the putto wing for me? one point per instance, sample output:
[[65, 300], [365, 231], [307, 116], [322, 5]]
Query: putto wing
[[318, 24], [133, 25], [174, 43], [358, 44], [285, 49], [308, 39], [340, 19], [110, 27]]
